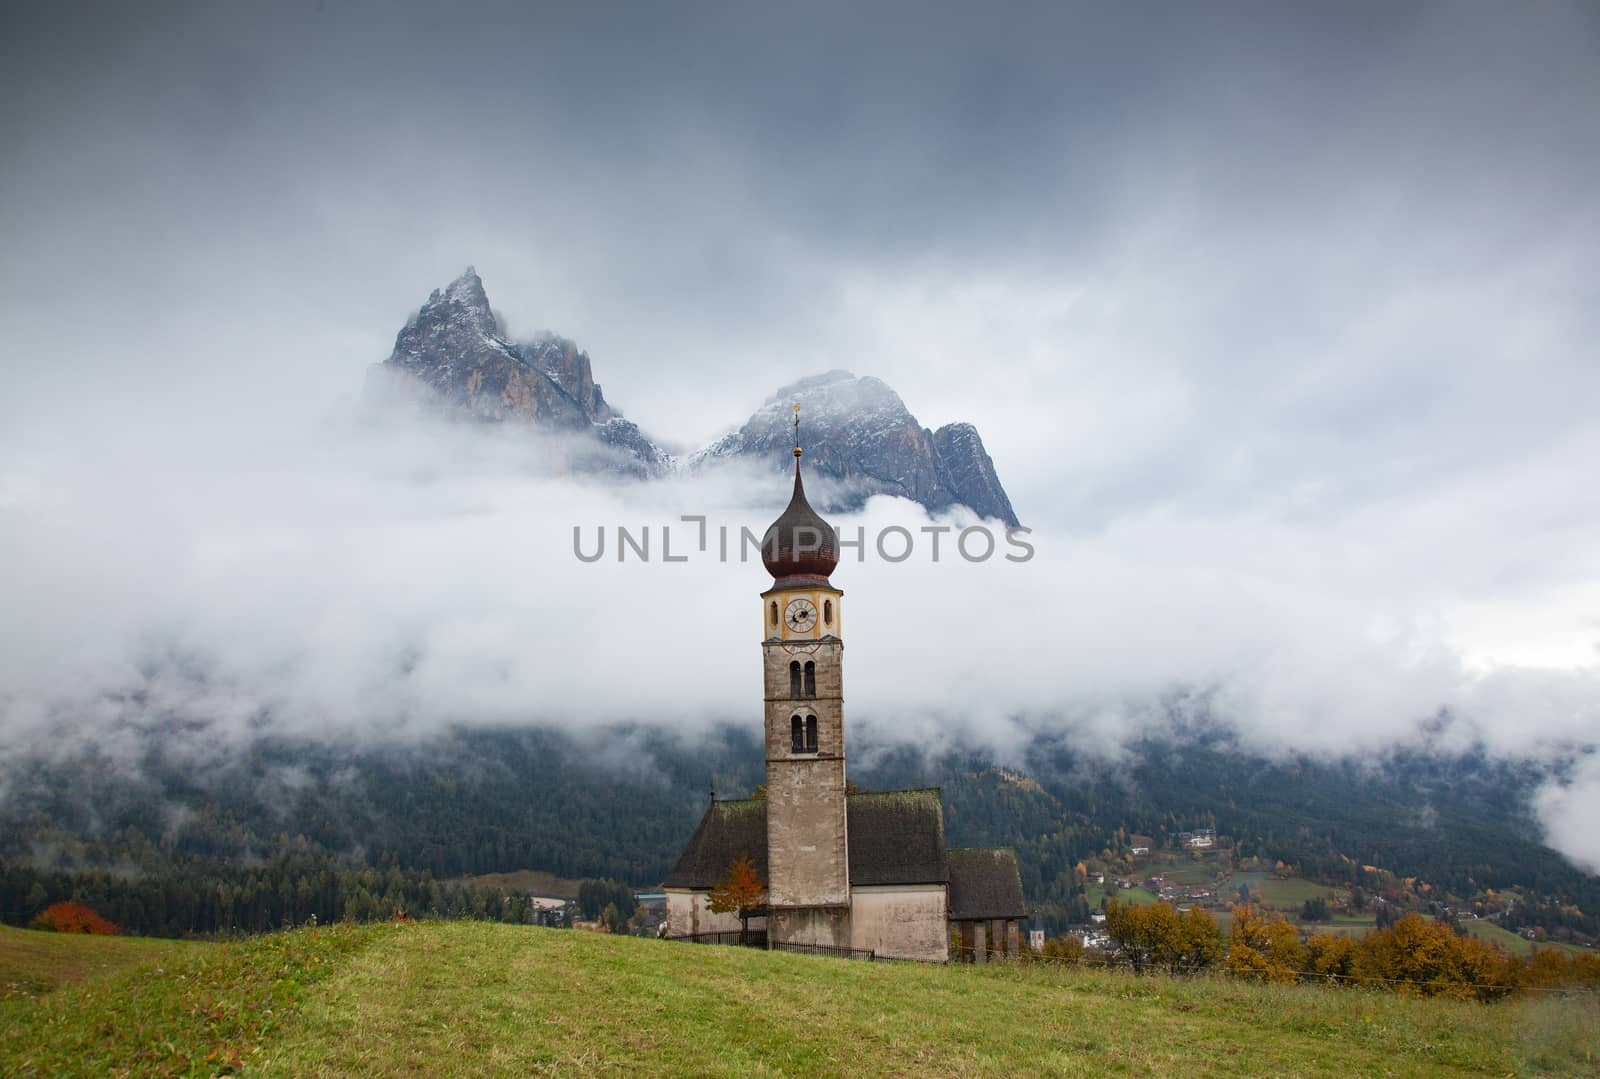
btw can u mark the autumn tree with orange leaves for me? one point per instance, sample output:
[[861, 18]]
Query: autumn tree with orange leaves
[[742, 890], [74, 918]]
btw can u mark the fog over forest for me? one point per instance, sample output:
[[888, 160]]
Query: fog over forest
[[1281, 340]]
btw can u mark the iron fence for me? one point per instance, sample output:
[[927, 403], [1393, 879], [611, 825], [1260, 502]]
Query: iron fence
[[823, 949], [755, 938]]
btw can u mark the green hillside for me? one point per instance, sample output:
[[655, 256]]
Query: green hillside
[[1492, 934], [1284, 893], [34, 963], [1096, 894], [476, 998]]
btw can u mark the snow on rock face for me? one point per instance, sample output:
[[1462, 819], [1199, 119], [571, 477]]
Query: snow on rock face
[[859, 433], [859, 437], [456, 347]]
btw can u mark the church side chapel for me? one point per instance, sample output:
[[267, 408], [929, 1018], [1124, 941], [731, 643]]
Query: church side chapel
[[846, 872]]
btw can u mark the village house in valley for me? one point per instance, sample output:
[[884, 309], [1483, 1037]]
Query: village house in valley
[[845, 870]]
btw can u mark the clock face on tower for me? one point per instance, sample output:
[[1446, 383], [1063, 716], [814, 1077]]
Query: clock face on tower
[[800, 615]]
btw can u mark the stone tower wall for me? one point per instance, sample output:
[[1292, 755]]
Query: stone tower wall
[[808, 861]]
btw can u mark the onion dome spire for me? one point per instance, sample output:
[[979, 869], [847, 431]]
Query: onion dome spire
[[799, 547]]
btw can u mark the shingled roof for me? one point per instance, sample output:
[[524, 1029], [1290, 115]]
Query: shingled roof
[[729, 829], [985, 883], [896, 837]]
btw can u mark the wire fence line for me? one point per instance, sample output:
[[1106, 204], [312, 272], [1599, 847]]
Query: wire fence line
[[1191, 969], [1125, 966]]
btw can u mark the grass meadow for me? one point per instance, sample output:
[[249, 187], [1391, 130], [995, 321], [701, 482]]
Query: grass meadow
[[470, 998]]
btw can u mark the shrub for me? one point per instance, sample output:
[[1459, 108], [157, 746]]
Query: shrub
[[1067, 948], [73, 918], [1314, 909]]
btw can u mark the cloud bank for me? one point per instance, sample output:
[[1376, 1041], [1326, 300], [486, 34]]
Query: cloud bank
[[348, 573], [1278, 324]]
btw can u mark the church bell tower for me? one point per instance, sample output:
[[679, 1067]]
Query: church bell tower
[[802, 652]]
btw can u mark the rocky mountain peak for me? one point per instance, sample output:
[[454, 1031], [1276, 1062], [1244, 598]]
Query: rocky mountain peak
[[859, 434], [456, 348], [860, 438], [465, 289], [462, 303]]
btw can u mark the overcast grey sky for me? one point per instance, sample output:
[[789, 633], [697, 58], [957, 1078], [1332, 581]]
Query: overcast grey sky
[[1279, 321]]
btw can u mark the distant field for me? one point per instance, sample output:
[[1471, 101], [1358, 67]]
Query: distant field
[[1094, 892], [470, 998], [1340, 928], [1345, 924], [1491, 933], [1285, 895], [536, 881], [33, 962], [1186, 869]]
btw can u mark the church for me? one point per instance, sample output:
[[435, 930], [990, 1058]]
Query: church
[[846, 871]]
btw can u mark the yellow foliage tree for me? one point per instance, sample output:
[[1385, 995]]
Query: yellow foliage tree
[[1330, 954], [1064, 948], [1156, 935], [1264, 946], [1202, 938], [1424, 958]]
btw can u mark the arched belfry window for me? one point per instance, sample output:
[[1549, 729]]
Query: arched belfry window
[[811, 734], [794, 678], [811, 679], [827, 612], [774, 612], [797, 735]]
